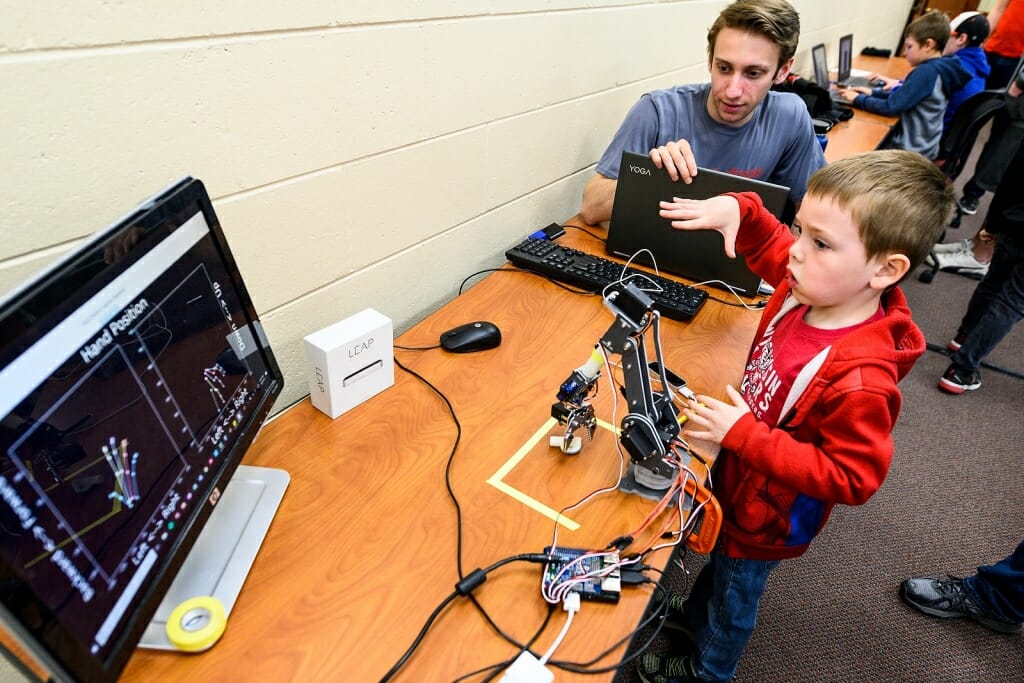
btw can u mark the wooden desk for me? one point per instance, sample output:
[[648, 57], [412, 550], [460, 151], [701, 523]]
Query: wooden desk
[[363, 547], [865, 130]]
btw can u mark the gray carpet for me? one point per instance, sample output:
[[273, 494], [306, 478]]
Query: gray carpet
[[953, 499]]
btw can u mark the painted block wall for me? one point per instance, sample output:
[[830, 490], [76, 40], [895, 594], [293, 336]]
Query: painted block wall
[[359, 153]]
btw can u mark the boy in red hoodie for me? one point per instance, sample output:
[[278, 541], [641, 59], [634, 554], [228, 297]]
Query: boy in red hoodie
[[811, 424]]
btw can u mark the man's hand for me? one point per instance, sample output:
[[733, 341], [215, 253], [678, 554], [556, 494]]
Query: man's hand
[[709, 419], [720, 213], [677, 159]]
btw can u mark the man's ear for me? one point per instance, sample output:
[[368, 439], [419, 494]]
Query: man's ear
[[783, 72], [891, 269]]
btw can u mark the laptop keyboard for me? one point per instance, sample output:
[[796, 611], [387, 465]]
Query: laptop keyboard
[[674, 300]]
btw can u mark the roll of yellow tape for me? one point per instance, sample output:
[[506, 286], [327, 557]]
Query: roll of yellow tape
[[197, 623]]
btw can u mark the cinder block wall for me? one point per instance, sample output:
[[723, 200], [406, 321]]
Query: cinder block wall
[[359, 153]]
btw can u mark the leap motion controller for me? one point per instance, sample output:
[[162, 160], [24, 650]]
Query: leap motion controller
[[650, 430]]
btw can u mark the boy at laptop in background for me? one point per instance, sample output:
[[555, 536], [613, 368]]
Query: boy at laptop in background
[[921, 101], [734, 123], [811, 424]]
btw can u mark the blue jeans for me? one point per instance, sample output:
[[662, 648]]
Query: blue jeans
[[722, 611], [999, 588], [996, 305]]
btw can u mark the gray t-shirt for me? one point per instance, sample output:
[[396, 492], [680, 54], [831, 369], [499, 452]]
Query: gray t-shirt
[[776, 145]]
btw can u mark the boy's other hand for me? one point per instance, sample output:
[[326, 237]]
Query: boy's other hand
[[720, 213], [677, 159], [850, 94], [887, 83], [714, 418]]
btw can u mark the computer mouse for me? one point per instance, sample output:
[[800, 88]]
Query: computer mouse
[[476, 336]]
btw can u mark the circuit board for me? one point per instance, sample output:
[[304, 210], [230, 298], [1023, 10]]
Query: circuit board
[[600, 588]]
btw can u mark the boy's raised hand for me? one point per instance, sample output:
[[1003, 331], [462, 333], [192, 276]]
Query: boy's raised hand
[[714, 418], [720, 213]]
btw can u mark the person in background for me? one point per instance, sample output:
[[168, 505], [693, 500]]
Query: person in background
[[968, 31], [734, 124], [921, 101], [972, 256], [994, 597], [998, 301], [811, 426], [1003, 51]]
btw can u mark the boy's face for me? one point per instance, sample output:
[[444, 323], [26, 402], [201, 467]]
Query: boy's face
[[915, 52], [828, 265], [743, 66]]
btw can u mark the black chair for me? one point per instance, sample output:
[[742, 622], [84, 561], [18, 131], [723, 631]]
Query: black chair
[[958, 142]]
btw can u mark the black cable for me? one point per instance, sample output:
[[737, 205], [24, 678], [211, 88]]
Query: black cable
[[576, 227], [448, 467], [657, 615], [495, 669], [418, 348], [757, 305], [460, 590], [479, 272]]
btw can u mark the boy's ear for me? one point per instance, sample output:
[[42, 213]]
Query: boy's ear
[[891, 269]]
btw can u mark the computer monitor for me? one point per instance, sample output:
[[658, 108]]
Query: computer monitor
[[819, 58], [845, 59], [134, 375]]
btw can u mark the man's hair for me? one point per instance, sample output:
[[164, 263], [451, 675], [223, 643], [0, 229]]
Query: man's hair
[[899, 201], [934, 25], [776, 20]]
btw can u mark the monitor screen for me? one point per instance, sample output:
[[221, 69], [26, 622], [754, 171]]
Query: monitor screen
[[134, 376], [820, 61]]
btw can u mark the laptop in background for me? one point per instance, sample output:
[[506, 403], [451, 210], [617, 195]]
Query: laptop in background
[[843, 77], [819, 58], [698, 255]]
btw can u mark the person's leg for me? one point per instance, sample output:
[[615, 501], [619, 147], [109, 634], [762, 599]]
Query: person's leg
[[999, 588], [731, 616], [995, 307], [994, 597], [722, 611]]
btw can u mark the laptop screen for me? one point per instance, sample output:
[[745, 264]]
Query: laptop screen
[[845, 58], [698, 255], [818, 57]]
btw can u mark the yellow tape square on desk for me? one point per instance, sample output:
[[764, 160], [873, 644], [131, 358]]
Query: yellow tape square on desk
[[497, 479]]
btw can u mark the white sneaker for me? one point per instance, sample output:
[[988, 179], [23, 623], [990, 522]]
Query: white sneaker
[[952, 247], [962, 262]]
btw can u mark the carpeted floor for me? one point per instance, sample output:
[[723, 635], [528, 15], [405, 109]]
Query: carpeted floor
[[952, 500]]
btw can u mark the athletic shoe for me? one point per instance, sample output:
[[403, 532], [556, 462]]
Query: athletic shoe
[[957, 381], [947, 599], [952, 247], [962, 262], [657, 669], [968, 205], [956, 342], [674, 621]]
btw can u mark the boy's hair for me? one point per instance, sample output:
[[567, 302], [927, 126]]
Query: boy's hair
[[776, 20], [934, 25], [899, 201]]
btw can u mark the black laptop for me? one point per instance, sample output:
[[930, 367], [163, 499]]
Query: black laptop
[[843, 77], [697, 255]]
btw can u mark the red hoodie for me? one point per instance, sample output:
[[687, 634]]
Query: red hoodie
[[833, 443]]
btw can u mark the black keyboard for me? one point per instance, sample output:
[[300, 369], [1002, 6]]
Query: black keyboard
[[564, 264]]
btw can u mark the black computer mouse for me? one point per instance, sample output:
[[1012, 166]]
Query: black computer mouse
[[476, 336]]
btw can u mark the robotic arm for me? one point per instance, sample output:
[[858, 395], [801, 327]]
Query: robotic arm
[[650, 429]]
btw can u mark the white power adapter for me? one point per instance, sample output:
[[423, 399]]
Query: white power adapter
[[527, 669]]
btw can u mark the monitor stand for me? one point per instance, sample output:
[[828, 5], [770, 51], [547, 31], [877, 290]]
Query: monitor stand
[[214, 566]]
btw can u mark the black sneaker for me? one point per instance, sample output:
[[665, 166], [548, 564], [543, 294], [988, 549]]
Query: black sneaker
[[947, 599], [956, 342], [657, 669], [957, 381], [968, 205]]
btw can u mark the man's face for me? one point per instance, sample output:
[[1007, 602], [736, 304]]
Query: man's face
[[743, 68]]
